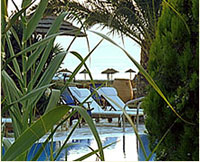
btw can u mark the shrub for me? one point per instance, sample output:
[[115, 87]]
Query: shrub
[[174, 65]]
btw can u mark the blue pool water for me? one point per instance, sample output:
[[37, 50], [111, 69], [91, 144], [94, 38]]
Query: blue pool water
[[126, 147], [124, 150], [145, 141], [45, 154]]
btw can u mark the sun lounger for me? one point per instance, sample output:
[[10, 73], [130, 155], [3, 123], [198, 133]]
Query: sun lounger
[[95, 96], [110, 95], [96, 111], [82, 93], [67, 98]]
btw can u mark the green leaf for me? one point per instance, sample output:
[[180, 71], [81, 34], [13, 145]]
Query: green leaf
[[89, 73], [32, 47], [4, 14], [15, 36], [35, 132], [55, 95], [93, 152], [54, 29], [11, 93], [39, 152], [6, 143], [32, 93], [14, 61], [48, 75], [26, 2], [65, 145], [80, 65], [42, 62], [35, 19], [33, 57], [9, 87], [92, 127], [56, 24], [15, 17], [51, 70]]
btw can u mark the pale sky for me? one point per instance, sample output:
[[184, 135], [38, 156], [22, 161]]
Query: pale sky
[[105, 56]]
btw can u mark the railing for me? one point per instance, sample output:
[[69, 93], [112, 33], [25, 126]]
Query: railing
[[137, 115]]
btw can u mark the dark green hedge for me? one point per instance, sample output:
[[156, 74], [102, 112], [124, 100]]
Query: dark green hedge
[[174, 65]]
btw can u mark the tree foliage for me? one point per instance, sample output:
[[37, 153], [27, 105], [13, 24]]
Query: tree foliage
[[174, 65], [136, 19]]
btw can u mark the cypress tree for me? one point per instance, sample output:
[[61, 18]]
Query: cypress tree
[[174, 65]]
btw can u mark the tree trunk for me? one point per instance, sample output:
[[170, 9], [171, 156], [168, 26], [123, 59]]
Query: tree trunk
[[141, 82]]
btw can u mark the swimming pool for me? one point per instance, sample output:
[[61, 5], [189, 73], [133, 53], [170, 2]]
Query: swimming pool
[[123, 150]]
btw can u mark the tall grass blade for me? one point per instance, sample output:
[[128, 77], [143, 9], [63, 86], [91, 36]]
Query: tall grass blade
[[15, 17], [56, 24], [82, 60], [47, 77], [93, 152], [179, 15], [34, 19], [6, 143], [32, 47], [4, 15], [80, 65], [132, 124], [67, 139], [88, 70], [39, 152], [16, 117], [11, 93], [9, 83], [14, 33], [14, 61], [160, 141], [35, 132], [26, 2], [55, 95], [51, 70], [54, 29], [92, 127], [146, 75], [32, 93]]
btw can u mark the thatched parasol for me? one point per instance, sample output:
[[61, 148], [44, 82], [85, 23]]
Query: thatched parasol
[[109, 71], [84, 72], [46, 22], [64, 70], [130, 71], [65, 73]]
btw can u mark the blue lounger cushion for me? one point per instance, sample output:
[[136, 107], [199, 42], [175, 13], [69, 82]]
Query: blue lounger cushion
[[111, 96]]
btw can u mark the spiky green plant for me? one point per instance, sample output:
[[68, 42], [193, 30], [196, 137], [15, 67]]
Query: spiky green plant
[[20, 100]]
